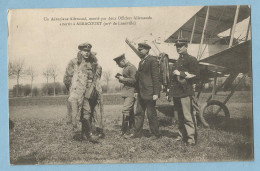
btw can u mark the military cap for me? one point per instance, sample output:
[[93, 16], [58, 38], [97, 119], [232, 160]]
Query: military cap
[[181, 41], [144, 46], [119, 58], [85, 45]]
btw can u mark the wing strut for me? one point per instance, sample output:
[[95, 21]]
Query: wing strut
[[203, 33], [194, 24], [248, 29], [234, 27], [180, 34], [232, 92]]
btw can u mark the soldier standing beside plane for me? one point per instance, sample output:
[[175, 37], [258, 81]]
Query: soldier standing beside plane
[[185, 70], [147, 92], [128, 80], [81, 79]]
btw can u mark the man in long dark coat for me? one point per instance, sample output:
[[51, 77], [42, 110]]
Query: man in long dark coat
[[147, 91]]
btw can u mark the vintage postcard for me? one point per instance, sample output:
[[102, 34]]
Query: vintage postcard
[[130, 85]]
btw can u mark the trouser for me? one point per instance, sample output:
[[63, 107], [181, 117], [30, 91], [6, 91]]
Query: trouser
[[128, 113], [186, 118], [149, 107], [85, 109], [92, 111], [97, 118], [74, 108]]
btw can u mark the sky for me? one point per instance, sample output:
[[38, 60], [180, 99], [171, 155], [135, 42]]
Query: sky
[[41, 43]]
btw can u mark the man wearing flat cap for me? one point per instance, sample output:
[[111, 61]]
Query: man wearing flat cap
[[147, 92], [81, 78], [185, 71], [128, 80]]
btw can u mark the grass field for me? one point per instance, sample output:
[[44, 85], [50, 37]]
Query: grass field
[[41, 135]]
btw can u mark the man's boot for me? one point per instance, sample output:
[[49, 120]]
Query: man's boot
[[131, 122], [100, 133], [85, 132], [124, 124], [131, 119]]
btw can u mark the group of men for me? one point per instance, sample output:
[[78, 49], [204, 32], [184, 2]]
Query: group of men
[[141, 86]]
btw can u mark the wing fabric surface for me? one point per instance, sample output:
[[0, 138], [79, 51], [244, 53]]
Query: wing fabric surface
[[234, 59], [220, 19]]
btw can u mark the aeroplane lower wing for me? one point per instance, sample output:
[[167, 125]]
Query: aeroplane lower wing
[[208, 71], [235, 59]]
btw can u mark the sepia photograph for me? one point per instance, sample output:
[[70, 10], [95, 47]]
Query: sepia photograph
[[130, 85]]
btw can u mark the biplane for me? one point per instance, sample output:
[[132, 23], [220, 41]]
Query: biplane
[[231, 57]]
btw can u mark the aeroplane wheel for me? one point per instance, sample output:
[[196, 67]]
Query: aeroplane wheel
[[214, 114]]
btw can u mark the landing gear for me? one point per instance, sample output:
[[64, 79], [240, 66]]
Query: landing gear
[[214, 114]]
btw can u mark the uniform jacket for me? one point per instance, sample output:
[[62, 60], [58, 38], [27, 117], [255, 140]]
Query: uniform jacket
[[147, 78], [185, 63], [81, 74], [129, 73]]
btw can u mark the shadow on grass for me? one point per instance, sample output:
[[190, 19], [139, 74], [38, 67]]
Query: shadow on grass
[[169, 134], [77, 136], [146, 133], [239, 151], [242, 126], [164, 133], [165, 122]]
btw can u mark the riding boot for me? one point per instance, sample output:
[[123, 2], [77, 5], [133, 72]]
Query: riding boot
[[86, 132], [124, 124], [100, 133], [131, 122]]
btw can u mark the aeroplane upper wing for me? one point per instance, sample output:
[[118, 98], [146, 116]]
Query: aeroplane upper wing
[[220, 19], [235, 59]]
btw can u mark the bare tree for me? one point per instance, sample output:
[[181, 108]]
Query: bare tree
[[47, 75], [10, 69], [16, 70], [54, 74], [107, 77], [32, 74]]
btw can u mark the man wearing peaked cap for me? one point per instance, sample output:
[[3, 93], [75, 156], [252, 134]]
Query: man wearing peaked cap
[[128, 80], [143, 46], [119, 58], [181, 41], [81, 78], [185, 71], [147, 91], [86, 46]]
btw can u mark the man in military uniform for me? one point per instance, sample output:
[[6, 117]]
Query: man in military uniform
[[128, 80], [81, 79], [185, 71], [147, 91]]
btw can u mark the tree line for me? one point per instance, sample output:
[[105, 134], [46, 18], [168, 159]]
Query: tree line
[[26, 90], [17, 70]]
